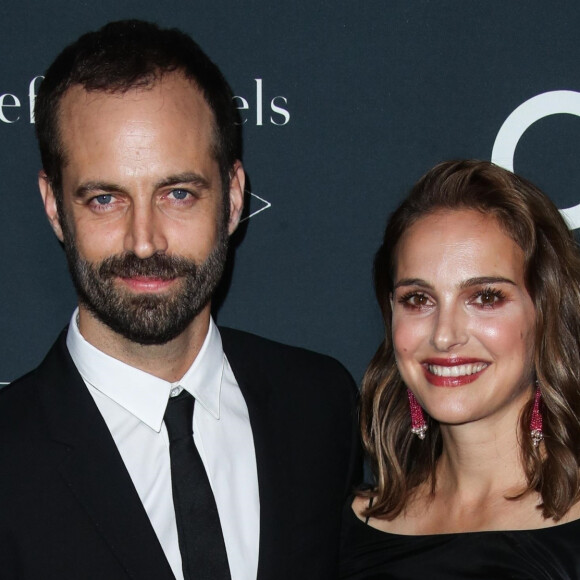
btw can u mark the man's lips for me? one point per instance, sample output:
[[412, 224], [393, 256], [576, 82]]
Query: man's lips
[[147, 283], [453, 372]]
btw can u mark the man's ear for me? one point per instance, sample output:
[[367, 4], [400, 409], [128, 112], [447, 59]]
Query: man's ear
[[49, 202], [237, 184]]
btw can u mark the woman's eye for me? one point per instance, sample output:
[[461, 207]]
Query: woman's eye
[[419, 300], [415, 300], [488, 298]]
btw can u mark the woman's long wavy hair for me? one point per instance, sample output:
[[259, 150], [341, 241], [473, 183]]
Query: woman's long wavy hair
[[399, 460]]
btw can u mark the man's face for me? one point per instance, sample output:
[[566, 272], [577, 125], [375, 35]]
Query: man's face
[[142, 212]]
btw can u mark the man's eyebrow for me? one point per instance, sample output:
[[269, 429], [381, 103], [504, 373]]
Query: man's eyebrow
[[92, 187], [187, 177]]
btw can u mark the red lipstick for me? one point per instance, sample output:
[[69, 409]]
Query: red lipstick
[[451, 375]]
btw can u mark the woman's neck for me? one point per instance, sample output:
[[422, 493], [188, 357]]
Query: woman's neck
[[478, 460], [479, 470]]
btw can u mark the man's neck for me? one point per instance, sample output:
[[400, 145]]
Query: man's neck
[[169, 361]]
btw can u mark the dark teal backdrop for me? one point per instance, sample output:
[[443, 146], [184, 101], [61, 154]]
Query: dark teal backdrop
[[345, 104]]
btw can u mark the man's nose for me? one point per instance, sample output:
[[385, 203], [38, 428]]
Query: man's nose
[[144, 236]]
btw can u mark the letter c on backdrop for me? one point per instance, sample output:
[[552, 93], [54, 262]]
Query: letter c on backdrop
[[534, 109]]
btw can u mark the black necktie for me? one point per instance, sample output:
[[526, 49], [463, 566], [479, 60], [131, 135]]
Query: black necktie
[[201, 541]]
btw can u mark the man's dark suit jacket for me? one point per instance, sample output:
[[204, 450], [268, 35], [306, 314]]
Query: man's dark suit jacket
[[69, 510]]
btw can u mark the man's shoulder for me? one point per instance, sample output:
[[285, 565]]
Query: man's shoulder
[[20, 415], [250, 344], [234, 336], [20, 398], [256, 353], [20, 391]]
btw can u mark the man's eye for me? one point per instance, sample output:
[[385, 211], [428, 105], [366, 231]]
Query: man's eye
[[179, 194], [104, 199]]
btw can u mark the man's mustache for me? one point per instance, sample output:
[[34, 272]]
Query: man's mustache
[[156, 266]]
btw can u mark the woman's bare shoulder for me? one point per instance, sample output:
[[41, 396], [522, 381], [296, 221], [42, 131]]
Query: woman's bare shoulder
[[359, 505]]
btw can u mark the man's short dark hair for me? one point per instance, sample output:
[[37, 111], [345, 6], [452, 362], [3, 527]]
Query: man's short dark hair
[[125, 55]]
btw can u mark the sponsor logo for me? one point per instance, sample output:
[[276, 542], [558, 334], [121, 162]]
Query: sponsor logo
[[11, 108], [258, 109], [276, 112], [519, 121]]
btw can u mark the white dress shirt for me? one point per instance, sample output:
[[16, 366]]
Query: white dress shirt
[[132, 403]]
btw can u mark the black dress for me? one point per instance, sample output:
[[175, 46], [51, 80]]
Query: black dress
[[549, 553]]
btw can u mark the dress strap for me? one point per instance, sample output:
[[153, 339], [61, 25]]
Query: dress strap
[[370, 506]]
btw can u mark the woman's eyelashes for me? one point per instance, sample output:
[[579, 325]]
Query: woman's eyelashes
[[415, 300], [484, 298], [488, 298]]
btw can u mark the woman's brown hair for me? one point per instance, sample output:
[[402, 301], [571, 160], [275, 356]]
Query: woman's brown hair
[[399, 460]]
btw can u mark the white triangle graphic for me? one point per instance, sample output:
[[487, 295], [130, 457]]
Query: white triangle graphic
[[266, 205]]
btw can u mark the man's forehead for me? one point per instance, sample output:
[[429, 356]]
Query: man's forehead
[[86, 109], [167, 83]]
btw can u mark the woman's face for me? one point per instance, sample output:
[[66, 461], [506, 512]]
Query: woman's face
[[463, 321]]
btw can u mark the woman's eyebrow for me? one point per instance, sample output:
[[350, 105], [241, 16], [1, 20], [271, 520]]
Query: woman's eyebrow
[[483, 280], [477, 281], [413, 282]]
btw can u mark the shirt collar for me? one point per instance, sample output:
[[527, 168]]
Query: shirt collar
[[142, 394]]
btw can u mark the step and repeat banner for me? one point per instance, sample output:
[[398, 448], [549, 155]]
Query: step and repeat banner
[[344, 106]]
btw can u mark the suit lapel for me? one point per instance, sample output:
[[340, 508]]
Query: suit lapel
[[273, 486], [94, 471]]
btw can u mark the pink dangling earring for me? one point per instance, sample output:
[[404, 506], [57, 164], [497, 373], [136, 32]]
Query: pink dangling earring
[[536, 430], [418, 423]]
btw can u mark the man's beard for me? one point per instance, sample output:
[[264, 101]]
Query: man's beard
[[146, 318]]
